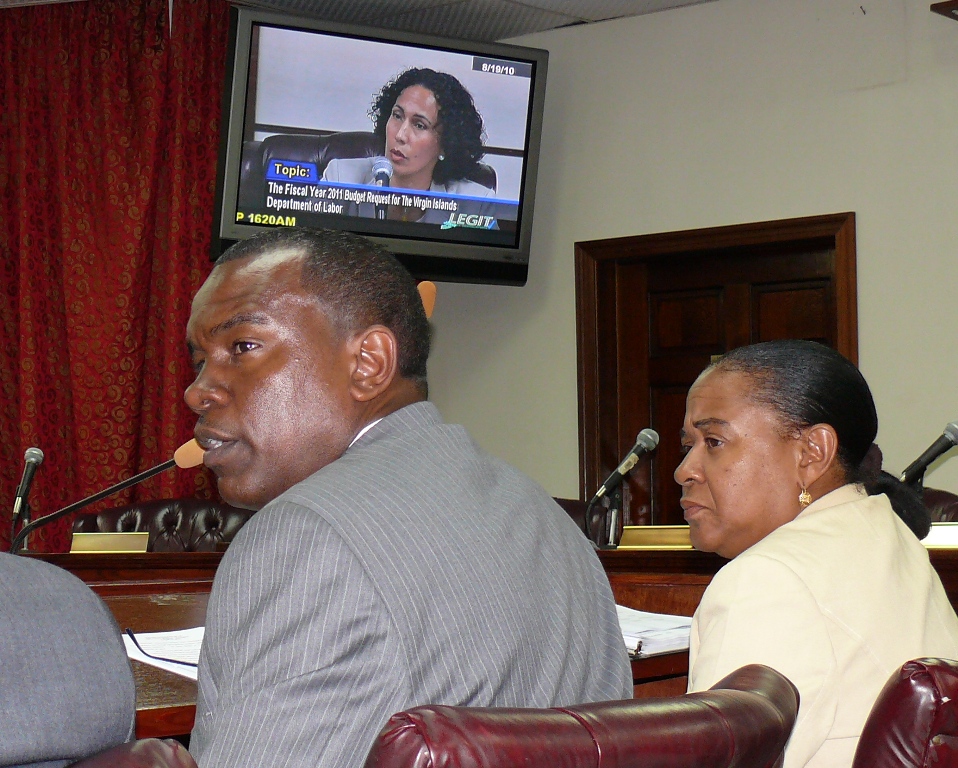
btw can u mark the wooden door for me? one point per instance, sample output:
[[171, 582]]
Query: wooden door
[[653, 310]]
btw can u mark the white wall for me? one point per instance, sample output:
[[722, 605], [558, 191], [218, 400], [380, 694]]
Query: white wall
[[722, 113]]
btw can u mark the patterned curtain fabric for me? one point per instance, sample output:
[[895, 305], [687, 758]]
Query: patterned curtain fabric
[[109, 130]]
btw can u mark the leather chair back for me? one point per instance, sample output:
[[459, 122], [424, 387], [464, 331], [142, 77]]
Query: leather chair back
[[576, 509], [914, 721], [174, 525], [744, 720], [943, 505], [145, 753]]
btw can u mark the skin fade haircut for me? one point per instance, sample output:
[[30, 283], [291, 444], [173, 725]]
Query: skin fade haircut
[[360, 283]]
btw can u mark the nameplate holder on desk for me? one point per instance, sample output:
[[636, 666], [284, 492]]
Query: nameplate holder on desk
[[655, 537], [100, 543], [942, 536]]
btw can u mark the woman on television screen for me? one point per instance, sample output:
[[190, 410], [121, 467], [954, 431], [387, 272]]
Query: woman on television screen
[[432, 137]]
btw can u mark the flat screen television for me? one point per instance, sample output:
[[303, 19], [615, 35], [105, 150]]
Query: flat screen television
[[426, 145]]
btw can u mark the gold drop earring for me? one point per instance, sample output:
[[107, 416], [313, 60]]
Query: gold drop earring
[[804, 498]]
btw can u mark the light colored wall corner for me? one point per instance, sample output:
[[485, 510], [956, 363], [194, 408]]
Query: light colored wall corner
[[721, 113]]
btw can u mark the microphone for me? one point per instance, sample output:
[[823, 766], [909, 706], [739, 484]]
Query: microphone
[[382, 173], [645, 442], [915, 471], [32, 459], [188, 455]]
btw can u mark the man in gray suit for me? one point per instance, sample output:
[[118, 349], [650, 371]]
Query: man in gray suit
[[392, 562], [66, 688]]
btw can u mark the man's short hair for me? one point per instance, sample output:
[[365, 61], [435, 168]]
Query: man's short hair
[[358, 283]]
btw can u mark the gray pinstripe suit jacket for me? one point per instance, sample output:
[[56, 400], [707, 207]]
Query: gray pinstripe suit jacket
[[415, 569]]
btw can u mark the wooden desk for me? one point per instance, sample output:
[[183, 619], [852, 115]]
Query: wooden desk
[[146, 573], [165, 702], [154, 592]]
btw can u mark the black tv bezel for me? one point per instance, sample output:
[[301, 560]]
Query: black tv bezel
[[427, 259]]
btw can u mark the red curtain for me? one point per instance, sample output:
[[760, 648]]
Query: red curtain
[[109, 130]]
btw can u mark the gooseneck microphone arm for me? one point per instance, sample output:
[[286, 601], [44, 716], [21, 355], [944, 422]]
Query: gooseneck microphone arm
[[40, 521], [645, 442], [187, 455]]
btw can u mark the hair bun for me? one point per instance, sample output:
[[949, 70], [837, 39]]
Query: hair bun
[[871, 463]]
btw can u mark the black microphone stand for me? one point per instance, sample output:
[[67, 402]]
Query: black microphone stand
[[23, 517], [918, 484], [613, 519], [28, 529], [610, 519]]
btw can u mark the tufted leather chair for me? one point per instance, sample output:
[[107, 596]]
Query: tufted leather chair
[[943, 505], [914, 722], [318, 150], [743, 721], [145, 753], [174, 525], [597, 518]]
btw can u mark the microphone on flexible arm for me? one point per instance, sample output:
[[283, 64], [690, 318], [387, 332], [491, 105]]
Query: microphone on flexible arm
[[190, 454], [382, 173], [645, 442], [914, 473], [32, 459]]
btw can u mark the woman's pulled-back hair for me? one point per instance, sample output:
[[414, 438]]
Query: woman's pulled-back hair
[[807, 383]]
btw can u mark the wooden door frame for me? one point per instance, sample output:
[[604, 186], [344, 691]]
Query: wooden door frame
[[600, 304]]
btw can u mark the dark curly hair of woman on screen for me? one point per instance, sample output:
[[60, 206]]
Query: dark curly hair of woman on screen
[[432, 137], [828, 582]]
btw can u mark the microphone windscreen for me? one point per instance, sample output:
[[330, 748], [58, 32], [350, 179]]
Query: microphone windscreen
[[648, 439], [427, 292], [188, 455], [33, 454], [382, 166]]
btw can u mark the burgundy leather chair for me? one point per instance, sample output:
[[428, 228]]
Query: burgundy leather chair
[[914, 722], [174, 525], [598, 532], [145, 753], [943, 505], [744, 720]]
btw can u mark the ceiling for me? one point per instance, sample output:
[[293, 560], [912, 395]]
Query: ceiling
[[485, 20]]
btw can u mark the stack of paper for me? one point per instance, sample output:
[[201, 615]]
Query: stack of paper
[[646, 634], [178, 651]]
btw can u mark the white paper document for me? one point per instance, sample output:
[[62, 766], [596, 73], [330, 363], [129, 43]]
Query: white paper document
[[646, 634], [181, 645]]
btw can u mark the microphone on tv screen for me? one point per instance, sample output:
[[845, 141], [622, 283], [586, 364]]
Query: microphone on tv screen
[[382, 173], [188, 455]]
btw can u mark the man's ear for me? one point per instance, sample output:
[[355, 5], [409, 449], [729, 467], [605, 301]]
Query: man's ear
[[819, 453], [375, 362]]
